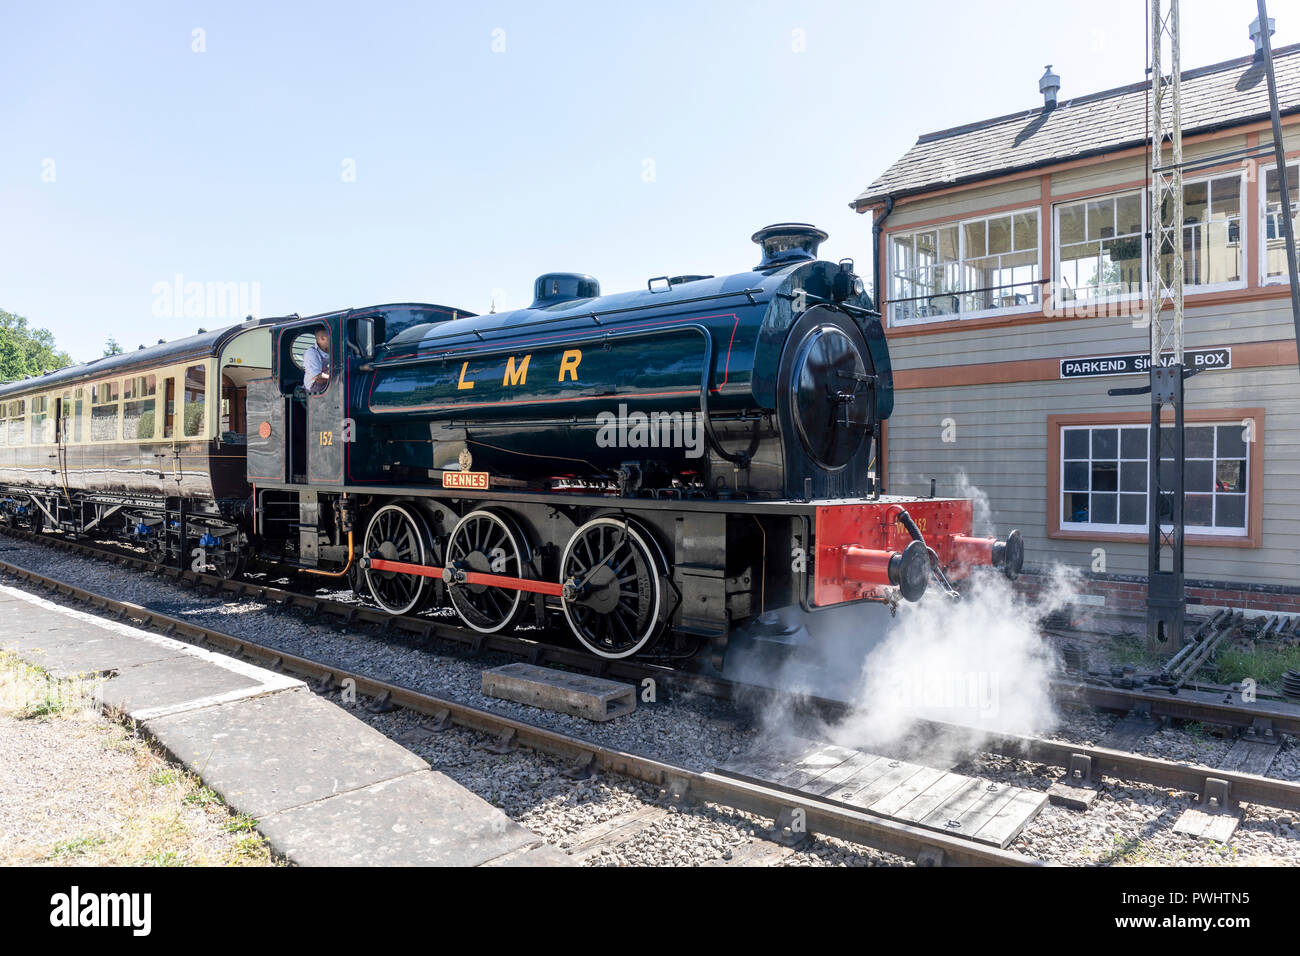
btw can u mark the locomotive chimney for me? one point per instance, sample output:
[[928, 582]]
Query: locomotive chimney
[[784, 243]]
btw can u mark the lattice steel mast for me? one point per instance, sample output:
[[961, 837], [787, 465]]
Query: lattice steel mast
[[1166, 600]]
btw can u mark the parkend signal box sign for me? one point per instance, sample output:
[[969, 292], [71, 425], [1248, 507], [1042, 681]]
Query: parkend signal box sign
[[1140, 363]]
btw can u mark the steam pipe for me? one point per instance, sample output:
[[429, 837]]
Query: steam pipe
[[906, 521]]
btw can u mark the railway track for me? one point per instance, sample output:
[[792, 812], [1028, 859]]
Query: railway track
[[1080, 762], [1216, 705], [677, 784]]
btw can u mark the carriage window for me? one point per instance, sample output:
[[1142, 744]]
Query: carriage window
[[42, 421], [196, 387], [4, 424], [78, 413], [104, 411], [138, 411], [18, 422]]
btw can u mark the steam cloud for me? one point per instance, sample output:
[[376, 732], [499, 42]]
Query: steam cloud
[[978, 663]]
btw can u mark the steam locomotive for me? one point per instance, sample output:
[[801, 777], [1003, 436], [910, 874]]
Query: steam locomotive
[[659, 471]]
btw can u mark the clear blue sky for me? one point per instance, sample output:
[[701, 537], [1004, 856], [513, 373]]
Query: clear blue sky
[[476, 170]]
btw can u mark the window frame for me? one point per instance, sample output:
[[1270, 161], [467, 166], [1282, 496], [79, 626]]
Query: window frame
[[1255, 476], [1057, 281], [1264, 278], [1190, 288], [960, 225], [1115, 528], [19, 416], [117, 384]]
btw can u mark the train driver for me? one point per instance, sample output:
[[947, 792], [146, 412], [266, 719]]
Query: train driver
[[316, 364]]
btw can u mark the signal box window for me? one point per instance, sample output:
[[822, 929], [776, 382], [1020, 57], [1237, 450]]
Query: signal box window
[[1104, 478], [1273, 262], [965, 269]]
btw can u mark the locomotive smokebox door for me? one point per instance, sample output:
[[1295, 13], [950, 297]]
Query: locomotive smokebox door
[[827, 404]]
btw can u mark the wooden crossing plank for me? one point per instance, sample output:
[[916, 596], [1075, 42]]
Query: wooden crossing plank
[[813, 764], [861, 778], [767, 758], [895, 773], [919, 807], [993, 798], [1006, 824], [947, 815], [834, 780], [1250, 756], [891, 801], [929, 797]]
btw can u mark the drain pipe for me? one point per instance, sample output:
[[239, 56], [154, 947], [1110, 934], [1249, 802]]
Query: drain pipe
[[878, 228]]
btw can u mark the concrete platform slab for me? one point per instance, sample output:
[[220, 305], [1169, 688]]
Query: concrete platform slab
[[420, 819], [177, 682], [270, 753], [26, 617], [72, 651], [326, 788], [152, 674]]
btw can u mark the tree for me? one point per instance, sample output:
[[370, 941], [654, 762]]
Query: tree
[[111, 347], [26, 352]]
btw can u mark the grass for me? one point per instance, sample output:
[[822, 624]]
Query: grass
[[1128, 649], [240, 823], [1265, 665], [147, 811], [1124, 849], [203, 796], [67, 849]]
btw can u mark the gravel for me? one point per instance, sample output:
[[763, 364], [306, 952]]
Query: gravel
[[78, 789], [1127, 824]]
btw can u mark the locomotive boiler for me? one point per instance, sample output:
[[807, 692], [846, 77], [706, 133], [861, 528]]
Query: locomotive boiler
[[767, 384]]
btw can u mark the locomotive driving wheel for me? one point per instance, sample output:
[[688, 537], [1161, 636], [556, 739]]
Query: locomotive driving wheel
[[397, 533], [488, 543], [612, 592]]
